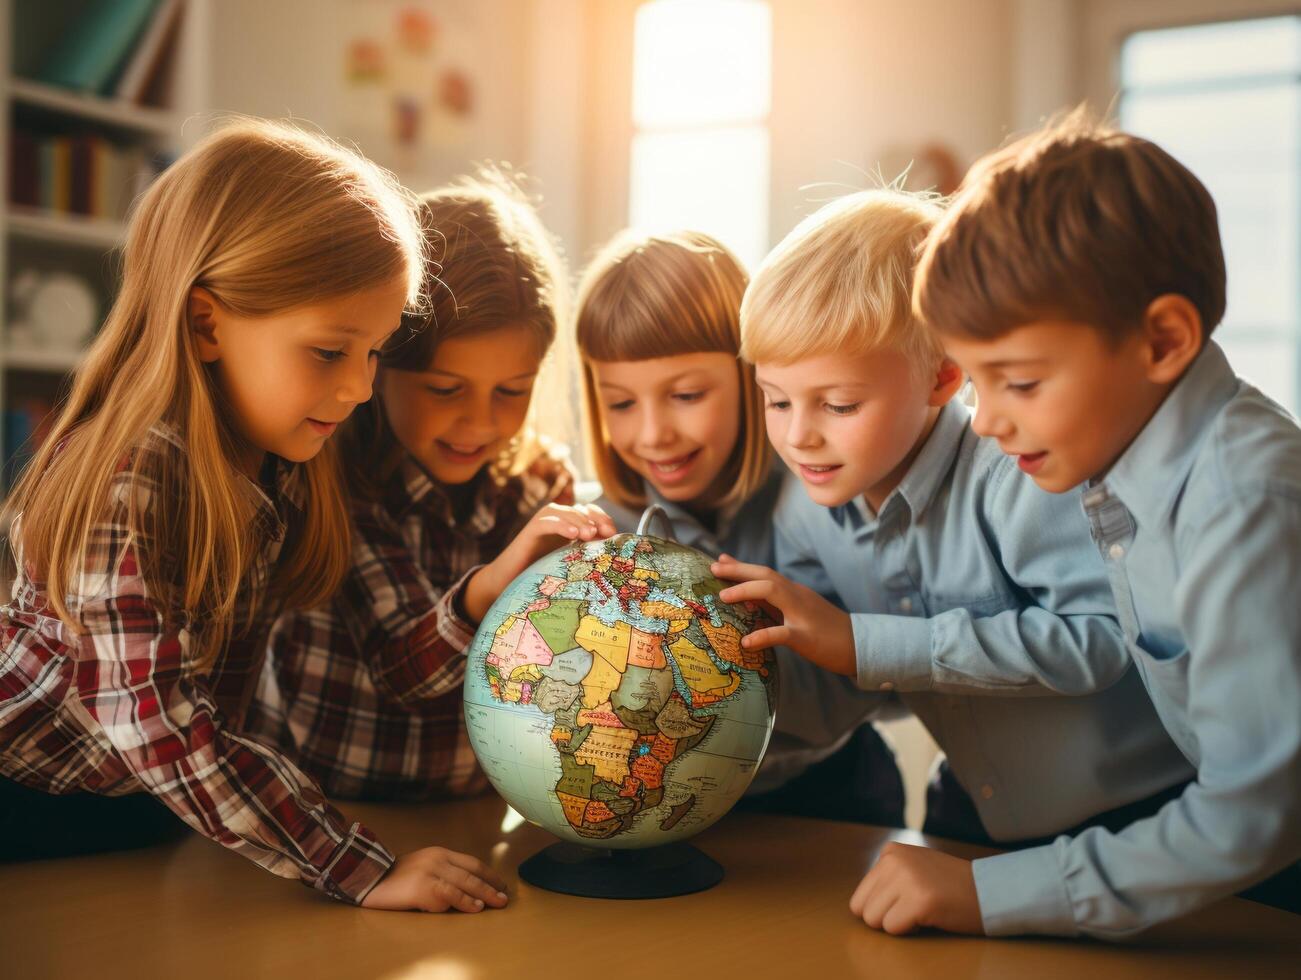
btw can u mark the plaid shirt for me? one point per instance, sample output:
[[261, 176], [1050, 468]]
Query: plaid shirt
[[122, 707], [365, 693]]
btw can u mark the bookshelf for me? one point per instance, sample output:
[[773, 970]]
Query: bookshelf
[[74, 151]]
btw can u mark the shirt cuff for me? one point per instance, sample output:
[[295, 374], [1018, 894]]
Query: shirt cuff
[[893, 652], [454, 622], [1022, 893], [355, 867]]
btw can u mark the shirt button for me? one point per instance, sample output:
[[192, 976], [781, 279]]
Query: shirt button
[[1117, 551], [987, 792], [887, 685], [905, 604]]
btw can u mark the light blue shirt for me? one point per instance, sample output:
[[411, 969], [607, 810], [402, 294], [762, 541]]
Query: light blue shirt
[[816, 710], [969, 563], [1199, 524]]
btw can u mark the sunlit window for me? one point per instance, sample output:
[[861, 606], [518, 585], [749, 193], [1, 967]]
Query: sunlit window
[[701, 95], [1225, 99]]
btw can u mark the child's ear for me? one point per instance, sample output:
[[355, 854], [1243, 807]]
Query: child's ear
[[1172, 335], [948, 379], [203, 314]]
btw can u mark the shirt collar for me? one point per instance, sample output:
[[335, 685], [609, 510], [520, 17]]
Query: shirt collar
[[924, 477], [692, 531], [1150, 472], [412, 487], [689, 529], [280, 486]]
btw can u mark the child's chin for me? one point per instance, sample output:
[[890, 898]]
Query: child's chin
[[1055, 483], [827, 495], [299, 454]]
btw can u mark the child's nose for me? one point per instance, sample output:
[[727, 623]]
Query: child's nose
[[358, 383], [655, 429], [479, 414], [801, 434], [989, 423]]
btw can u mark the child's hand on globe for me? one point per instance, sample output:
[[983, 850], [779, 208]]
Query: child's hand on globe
[[434, 879], [810, 625], [545, 531]]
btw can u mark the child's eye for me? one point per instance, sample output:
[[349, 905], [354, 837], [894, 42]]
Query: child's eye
[[619, 406], [326, 355], [1022, 387], [776, 406], [442, 392], [843, 409], [688, 396], [513, 392]]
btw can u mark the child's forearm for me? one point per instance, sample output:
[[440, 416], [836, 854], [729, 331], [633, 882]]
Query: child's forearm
[[1018, 652]]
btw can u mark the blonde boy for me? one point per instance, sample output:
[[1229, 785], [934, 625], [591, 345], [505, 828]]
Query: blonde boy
[[902, 536]]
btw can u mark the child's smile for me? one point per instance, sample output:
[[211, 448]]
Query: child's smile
[[460, 453], [675, 469], [1030, 463], [819, 475], [323, 428]]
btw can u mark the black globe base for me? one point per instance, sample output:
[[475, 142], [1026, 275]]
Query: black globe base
[[602, 872]]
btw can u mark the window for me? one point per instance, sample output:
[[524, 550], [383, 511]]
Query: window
[[1225, 100], [701, 94]]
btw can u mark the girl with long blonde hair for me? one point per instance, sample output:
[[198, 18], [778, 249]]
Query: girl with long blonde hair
[[674, 417], [452, 497], [187, 493]]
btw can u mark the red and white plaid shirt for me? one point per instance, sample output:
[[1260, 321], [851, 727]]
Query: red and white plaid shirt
[[123, 707], [365, 693]]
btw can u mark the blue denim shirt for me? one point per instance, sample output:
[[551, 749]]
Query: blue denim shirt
[[816, 709], [1199, 523], [968, 563]]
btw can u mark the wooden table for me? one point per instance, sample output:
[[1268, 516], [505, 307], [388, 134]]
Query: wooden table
[[192, 910]]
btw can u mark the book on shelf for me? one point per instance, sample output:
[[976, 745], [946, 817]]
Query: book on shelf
[[26, 424], [143, 79], [79, 174], [93, 51]]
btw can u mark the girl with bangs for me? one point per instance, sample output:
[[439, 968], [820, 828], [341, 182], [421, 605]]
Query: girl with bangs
[[673, 417], [187, 494], [452, 496]]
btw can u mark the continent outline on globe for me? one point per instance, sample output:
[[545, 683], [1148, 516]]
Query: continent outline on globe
[[633, 659]]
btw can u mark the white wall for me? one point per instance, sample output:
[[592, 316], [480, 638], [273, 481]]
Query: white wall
[[857, 84], [853, 81], [286, 58], [862, 83]]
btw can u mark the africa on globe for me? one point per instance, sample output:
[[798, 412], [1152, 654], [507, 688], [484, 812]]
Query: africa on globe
[[608, 697]]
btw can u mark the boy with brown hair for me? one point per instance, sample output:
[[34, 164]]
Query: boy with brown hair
[[1076, 279]]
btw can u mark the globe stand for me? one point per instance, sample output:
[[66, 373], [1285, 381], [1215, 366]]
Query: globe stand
[[652, 514], [601, 872]]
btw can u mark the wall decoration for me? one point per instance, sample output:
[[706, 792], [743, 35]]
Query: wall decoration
[[409, 78]]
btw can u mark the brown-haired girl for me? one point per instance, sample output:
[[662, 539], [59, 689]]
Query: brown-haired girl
[[452, 497]]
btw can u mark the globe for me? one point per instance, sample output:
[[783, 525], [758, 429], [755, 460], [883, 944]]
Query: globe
[[608, 697]]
